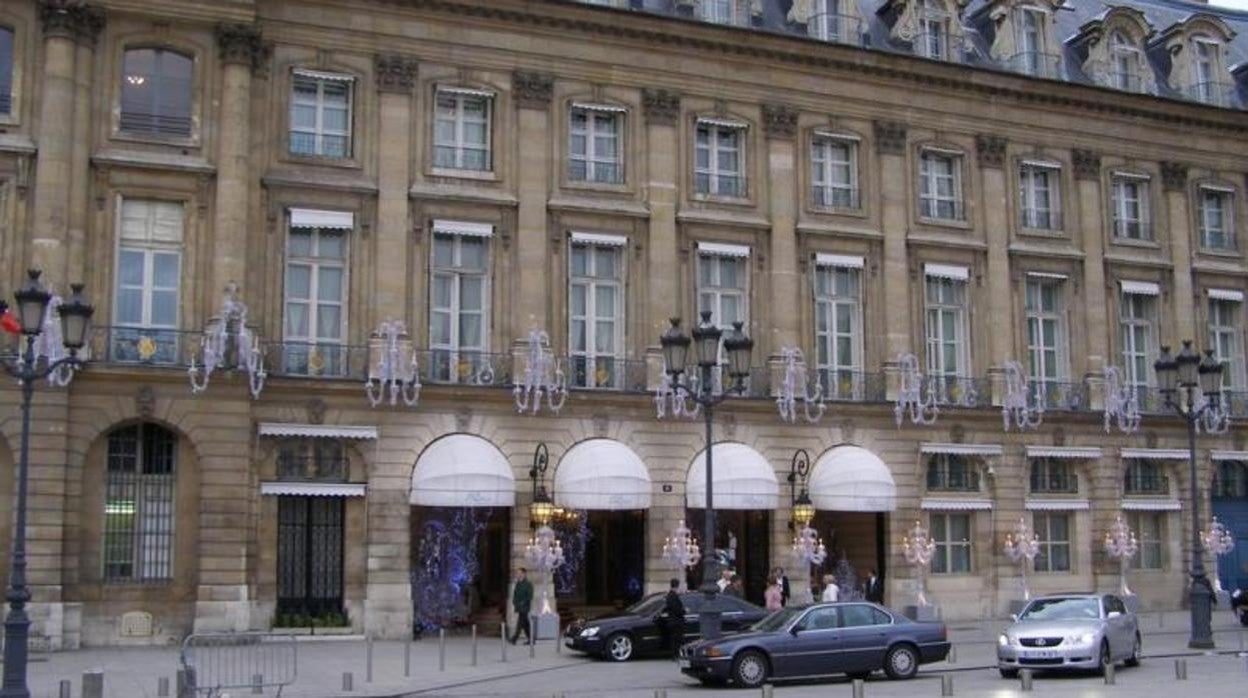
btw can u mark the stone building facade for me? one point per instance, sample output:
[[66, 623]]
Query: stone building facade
[[971, 184]]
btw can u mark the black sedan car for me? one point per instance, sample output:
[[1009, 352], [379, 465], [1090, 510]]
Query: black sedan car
[[854, 638], [636, 632]]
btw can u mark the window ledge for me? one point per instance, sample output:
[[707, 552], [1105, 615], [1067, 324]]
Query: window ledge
[[483, 175], [598, 187], [1063, 252], [821, 228], [737, 201], [17, 143], [957, 223], [712, 217], [1051, 233], [153, 160], [191, 141], [858, 212], [319, 180], [346, 163], [1130, 242], [458, 191], [589, 204], [943, 238], [1221, 252]]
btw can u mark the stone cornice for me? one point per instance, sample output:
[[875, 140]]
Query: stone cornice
[[991, 150], [1173, 176], [890, 137], [661, 107], [952, 78], [532, 90], [779, 121], [241, 44], [396, 73]]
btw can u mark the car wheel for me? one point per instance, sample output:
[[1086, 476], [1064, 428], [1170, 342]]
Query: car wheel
[[1009, 673], [1136, 651], [901, 662], [620, 647], [1106, 658], [750, 669]]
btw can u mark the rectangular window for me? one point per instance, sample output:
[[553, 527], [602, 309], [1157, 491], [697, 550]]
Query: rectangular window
[[1217, 219], [139, 505], [1208, 88], [834, 172], [320, 114], [1052, 531], [156, 93], [148, 279], [940, 186], [6, 70], [952, 535], [947, 472], [1131, 210], [315, 315], [1137, 322], [459, 303], [1031, 58], [596, 312], [1053, 476], [461, 134], [719, 11], [719, 154], [838, 329], [723, 288], [1046, 332], [1144, 477], [1038, 189], [945, 328], [828, 23], [594, 153], [1149, 528], [933, 39], [1226, 338]]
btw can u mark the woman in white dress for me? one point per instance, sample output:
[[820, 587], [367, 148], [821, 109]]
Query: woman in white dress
[[831, 592]]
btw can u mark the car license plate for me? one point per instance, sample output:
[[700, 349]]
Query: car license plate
[[1040, 654], [684, 664]]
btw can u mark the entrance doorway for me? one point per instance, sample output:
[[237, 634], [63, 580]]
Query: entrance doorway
[[309, 555], [742, 542], [1230, 505], [856, 544], [459, 562], [611, 571]]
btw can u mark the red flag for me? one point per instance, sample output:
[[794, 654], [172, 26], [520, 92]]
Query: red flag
[[8, 322]]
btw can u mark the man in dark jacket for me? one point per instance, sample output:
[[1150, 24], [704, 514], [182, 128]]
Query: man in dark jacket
[[874, 588], [672, 618], [522, 603]]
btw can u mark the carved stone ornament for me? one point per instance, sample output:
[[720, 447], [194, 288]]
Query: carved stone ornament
[[395, 73], [316, 410], [1059, 436], [1173, 176], [991, 150], [662, 107], [71, 19], [602, 422], [463, 418], [957, 434], [241, 44], [533, 90], [890, 137], [145, 401], [848, 431], [1087, 164], [779, 121]]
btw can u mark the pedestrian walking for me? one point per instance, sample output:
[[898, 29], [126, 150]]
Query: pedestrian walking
[[522, 602], [672, 619]]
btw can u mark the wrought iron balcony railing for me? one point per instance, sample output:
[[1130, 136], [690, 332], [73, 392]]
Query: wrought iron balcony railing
[[1044, 481], [953, 480], [1146, 483], [154, 124], [960, 391], [148, 346], [1054, 395], [851, 386], [605, 373], [1036, 64]]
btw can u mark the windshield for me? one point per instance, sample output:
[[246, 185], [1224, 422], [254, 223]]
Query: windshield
[[1063, 609], [647, 606], [777, 620]]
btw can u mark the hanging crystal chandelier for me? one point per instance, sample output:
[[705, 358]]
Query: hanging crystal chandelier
[[795, 387], [1122, 406], [668, 399], [808, 546], [542, 376], [392, 369], [680, 548], [544, 551], [1215, 417], [918, 547], [1121, 545], [1022, 546], [910, 400], [227, 344], [1219, 541], [1020, 406]]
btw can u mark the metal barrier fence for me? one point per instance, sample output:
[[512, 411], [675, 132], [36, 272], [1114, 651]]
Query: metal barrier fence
[[217, 662]]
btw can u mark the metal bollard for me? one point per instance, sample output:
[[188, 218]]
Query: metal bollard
[[1110, 678], [185, 683], [348, 681], [1180, 669], [474, 644], [162, 687], [946, 685], [768, 691], [558, 640], [502, 633], [441, 649], [257, 684], [1024, 680], [660, 693], [66, 690], [953, 655], [407, 657], [93, 683], [368, 660], [532, 636], [858, 688]]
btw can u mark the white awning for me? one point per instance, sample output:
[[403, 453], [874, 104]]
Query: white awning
[[462, 470], [322, 431], [947, 271], [465, 228], [466, 91], [962, 449], [313, 218], [743, 479], [1057, 505], [726, 123], [1226, 294], [1046, 275], [323, 75], [1230, 455], [1155, 453], [933, 504], [1151, 505], [600, 239], [602, 474], [313, 489], [1084, 452], [610, 108], [1140, 288], [1047, 164], [849, 478], [838, 260], [723, 250]]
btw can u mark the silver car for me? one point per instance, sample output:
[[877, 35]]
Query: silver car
[[1070, 631]]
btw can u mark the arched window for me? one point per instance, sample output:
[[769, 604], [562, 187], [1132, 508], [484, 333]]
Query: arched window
[[156, 92], [6, 70], [139, 504], [1124, 58]]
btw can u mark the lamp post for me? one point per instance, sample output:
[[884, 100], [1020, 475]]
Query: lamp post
[[1179, 377], [75, 314], [737, 345]]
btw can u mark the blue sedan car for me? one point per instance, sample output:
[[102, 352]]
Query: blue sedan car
[[854, 638]]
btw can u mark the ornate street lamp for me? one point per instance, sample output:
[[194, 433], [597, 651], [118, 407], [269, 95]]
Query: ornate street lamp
[[738, 347], [807, 546], [1179, 377], [542, 508], [33, 303]]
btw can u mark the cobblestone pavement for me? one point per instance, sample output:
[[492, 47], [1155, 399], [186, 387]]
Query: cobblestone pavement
[[135, 672]]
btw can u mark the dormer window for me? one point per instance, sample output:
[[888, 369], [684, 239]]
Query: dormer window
[[1207, 85], [830, 22], [933, 38], [1124, 58], [1032, 58], [719, 11]]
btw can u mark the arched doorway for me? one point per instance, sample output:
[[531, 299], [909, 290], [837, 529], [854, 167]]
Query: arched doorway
[[853, 492], [1230, 505]]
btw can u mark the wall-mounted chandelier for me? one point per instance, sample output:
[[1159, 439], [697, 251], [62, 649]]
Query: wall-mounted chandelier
[[918, 547], [229, 344], [808, 546], [1022, 546], [1122, 405], [796, 387], [1121, 545], [542, 377], [1219, 541], [680, 548], [670, 399], [1020, 406], [544, 551], [393, 372], [921, 409]]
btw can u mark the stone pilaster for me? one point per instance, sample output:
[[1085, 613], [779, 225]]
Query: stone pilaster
[[662, 147], [396, 76], [1178, 227], [91, 22], [1088, 206], [996, 191], [780, 125], [532, 93], [890, 144]]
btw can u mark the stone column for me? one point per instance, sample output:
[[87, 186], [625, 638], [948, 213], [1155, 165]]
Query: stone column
[[53, 173], [92, 21], [780, 126], [662, 148], [890, 144], [240, 52], [1087, 166], [532, 93], [991, 152], [1174, 183], [396, 76]]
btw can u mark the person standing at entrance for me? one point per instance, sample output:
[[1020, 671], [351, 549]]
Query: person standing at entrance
[[772, 595], [672, 619], [725, 579], [522, 602], [874, 590], [831, 592], [783, 581]]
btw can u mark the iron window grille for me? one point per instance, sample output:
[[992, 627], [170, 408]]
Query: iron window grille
[[139, 505]]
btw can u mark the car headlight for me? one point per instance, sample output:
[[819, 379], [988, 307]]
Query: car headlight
[[590, 631], [712, 652], [1082, 639], [1003, 640]]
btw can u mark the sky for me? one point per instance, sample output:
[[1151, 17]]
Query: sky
[[1233, 4]]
